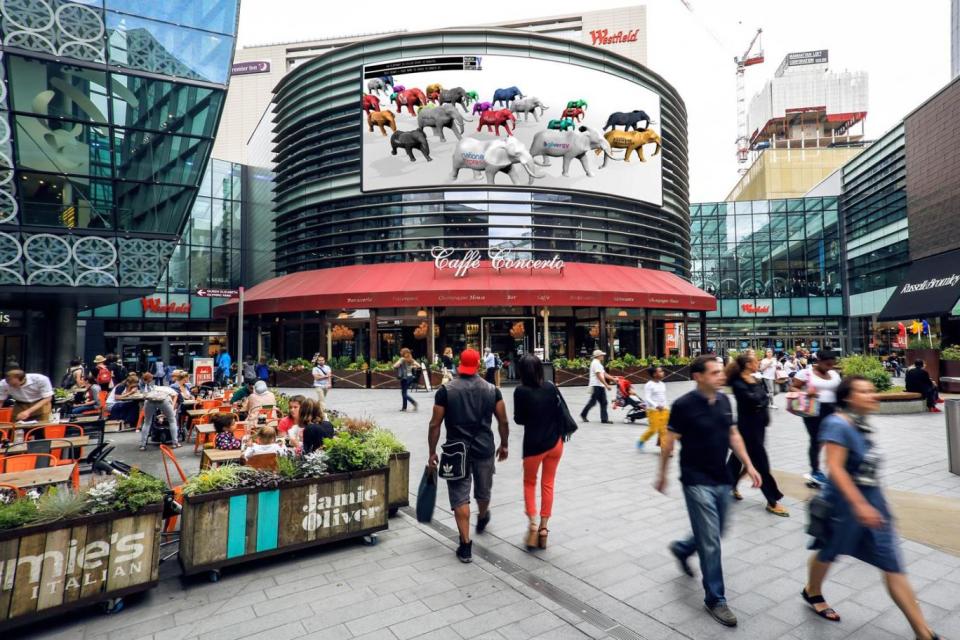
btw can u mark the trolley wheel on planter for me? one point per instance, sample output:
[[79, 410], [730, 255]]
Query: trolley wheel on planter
[[393, 511], [113, 605], [370, 540], [213, 575]]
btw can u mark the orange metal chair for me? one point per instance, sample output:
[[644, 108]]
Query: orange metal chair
[[6, 414], [25, 462], [207, 405], [51, 431], [102, 411], [268, 461], [170, 458]]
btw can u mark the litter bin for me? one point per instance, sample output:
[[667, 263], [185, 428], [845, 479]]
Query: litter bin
[[953, 435]]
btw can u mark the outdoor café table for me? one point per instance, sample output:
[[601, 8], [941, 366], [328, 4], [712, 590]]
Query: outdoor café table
[[34, 478], [216, 457], [206, 432], [55, 443]]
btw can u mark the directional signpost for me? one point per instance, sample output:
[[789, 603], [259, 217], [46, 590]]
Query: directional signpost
[[230, 293], [218, 293]]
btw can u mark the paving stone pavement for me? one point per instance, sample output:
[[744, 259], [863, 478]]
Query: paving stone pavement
[[607, 563]]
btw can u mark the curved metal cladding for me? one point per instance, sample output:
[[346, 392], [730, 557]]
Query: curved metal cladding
[[325, 220]]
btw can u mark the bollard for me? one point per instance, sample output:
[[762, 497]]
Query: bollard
[[953, 435]]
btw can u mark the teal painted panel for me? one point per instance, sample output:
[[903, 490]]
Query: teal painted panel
[[268, 514], [237, 526]]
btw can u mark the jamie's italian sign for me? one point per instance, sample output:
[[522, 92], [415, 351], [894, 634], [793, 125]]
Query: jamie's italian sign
[[445, 259]]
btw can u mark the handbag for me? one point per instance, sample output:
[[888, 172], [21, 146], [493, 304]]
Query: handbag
[[819, 515], [427, 495], [801, 403], [568, 426]]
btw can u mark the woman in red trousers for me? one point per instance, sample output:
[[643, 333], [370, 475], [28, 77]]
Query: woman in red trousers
[[536, 406]]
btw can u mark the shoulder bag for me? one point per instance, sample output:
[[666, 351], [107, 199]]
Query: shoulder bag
[[819, 516], [568, 426], [453, 459], [801, 403]]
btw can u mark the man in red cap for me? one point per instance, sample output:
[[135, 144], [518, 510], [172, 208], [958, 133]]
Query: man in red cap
[[466, 405]]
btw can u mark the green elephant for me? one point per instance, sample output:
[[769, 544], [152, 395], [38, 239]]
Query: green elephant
[[562, 124], [577, 104]]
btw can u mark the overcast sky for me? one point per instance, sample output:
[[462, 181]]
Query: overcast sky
[[905, 51]]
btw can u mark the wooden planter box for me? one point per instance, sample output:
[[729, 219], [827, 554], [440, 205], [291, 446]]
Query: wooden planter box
[[636, 375], [349, 379], [229, 527], [676, 373], [384, 380], [52, 568], [398, 490], [950, 369], [295, 379], [569, 378]]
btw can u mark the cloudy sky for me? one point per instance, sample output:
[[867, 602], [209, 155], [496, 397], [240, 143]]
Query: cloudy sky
[[906, 52]]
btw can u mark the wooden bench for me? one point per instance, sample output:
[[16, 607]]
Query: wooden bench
[[900, 402]]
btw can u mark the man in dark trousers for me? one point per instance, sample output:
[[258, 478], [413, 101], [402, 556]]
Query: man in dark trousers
[[466, 406], [703, 422], [598, 384], [918, 380]]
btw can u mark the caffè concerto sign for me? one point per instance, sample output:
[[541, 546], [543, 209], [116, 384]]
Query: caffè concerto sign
[[446, 259]]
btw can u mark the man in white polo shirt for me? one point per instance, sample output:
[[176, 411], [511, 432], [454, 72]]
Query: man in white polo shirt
[[599, 385], [32, 395]]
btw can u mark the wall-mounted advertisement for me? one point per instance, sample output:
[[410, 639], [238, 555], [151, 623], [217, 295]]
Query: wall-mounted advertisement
[[507, 121]]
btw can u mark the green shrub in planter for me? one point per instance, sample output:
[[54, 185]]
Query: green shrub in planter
[[951, 353], [870, 368], [17, 513], [347, 452]]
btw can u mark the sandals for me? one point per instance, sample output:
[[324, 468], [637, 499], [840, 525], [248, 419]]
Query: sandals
[[542, 537], [533, 538], [813, 601]]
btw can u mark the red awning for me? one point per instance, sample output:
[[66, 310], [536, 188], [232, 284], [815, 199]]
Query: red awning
[[420, 284]]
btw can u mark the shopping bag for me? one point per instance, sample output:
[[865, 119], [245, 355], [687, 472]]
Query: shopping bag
[[427, 495], [803, 405]]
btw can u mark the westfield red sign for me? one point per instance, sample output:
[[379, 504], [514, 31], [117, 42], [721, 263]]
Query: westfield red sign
[[749, 308], [154, 305], [604, 37]]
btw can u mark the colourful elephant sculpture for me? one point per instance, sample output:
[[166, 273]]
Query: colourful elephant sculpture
[[480, 107], [429, 105], [381, 119], [628, 120], [376, 86], [631, 141], [397, 88], [445, 115], [410, 99], [577, 104], [370, 103], [436, 87], [408, 141], [561, 125], [494, 157], [573, 112], [497, 118], [472, 96], [456, 95], [506, 96]]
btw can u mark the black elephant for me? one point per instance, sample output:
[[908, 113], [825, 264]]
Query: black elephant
[[628, 120], [410, 140], [506, 96], [457, 95], [387, 79]]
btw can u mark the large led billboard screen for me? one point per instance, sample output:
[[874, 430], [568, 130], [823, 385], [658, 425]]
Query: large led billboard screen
[[508, 121]]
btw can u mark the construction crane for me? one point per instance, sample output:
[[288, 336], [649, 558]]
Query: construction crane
[[748, 59]]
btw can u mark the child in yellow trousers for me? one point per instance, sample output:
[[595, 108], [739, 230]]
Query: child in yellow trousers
[[658, 414]]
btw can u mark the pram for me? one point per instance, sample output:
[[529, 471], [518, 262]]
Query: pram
[[637, 409]]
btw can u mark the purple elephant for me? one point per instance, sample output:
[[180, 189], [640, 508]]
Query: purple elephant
[[480, 107], [399, 87]]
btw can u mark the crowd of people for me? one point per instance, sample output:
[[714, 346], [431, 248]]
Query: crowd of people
[[718, 447]]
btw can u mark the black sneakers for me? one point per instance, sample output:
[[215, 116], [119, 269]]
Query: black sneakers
[[681, 560], [722, 614], [465, 552], [483, 522]]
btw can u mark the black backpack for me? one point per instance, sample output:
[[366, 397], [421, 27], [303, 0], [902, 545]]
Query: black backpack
[[67, 381]]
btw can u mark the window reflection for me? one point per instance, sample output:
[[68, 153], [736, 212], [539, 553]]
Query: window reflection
[[212, 15]]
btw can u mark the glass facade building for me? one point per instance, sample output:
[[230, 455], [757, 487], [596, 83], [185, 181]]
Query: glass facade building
[[107, 117], [775, 268]]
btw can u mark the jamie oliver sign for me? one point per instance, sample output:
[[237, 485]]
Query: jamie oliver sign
[[246, 68], [444, 259]]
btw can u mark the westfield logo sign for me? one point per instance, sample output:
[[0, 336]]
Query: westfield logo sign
[[750, 308], [604, 37], [156, 306]]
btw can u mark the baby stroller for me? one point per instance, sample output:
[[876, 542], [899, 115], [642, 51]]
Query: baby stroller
[[637, 410]]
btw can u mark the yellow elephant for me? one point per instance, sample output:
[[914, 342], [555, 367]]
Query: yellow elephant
[[436, 87], [381, 119], [632, 141]]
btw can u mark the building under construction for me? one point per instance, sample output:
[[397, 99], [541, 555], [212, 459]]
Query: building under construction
[[804, 123]]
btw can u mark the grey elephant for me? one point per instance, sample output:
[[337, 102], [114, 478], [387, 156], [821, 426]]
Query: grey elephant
[[493, 156], [526, 106], [410, 140], [568, 145], [456, 95], [376, 86], [446, 115]]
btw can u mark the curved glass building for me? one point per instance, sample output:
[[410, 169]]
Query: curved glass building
[[439, 179], [108, 112]]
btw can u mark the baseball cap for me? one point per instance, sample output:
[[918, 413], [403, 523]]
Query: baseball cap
[[597, 352], [469, 362]]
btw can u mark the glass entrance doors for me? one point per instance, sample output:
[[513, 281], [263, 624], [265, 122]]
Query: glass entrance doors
[[511, 338]]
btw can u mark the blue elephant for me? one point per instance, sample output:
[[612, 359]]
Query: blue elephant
[[506, 96]]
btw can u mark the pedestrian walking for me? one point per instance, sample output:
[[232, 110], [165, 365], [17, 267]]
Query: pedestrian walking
[[770, 371], [918, 380], [249, 368], [820, 380], [263, 371], [658, 413], [490, 365], [322, 375], [446, 361], [405, 366], [753, 417], [857, 521], [224, 365], [599, 385], [536, 405], [32, 395], [465, 406], [703, 422]]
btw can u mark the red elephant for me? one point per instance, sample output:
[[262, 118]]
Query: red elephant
[[573, 112], [496, 118], [410, 98], [370, 103]]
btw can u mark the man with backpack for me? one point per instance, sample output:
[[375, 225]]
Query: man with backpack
[[103, 373]]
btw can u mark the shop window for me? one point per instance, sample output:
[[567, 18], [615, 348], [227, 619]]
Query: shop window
[[799, 307], [73, 202], [818, 306], [149, 103]]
